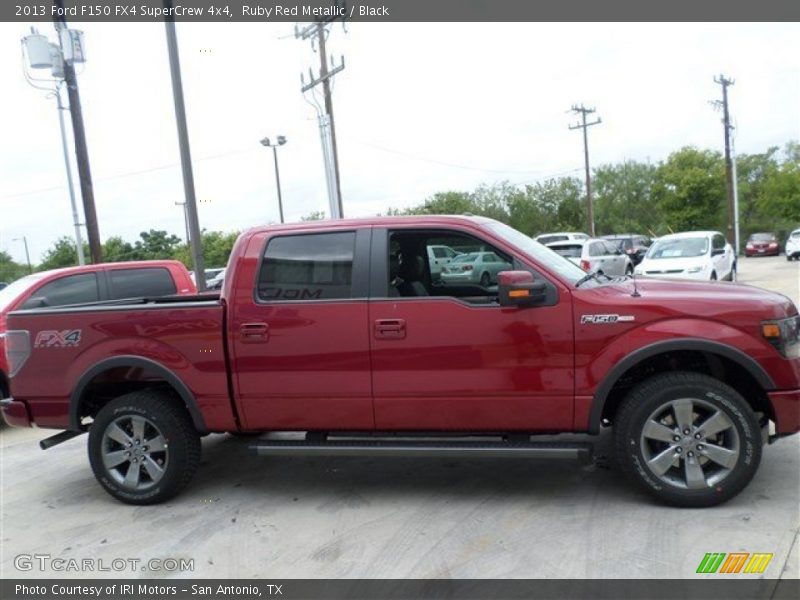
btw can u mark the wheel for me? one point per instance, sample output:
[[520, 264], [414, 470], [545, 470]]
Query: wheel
[[713, 276], [629, 270], [688, 439], [143, 447], [732, 274], [485, 280], [788, 257]]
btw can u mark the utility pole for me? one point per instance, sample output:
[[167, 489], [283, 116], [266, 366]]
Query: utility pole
[[583, 111], [195, 241], [726, 121], [185, 221], [268, 144], [81, 149], [24, 240], [318, 31], [75, 218]]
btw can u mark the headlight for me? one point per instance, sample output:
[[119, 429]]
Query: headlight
[[695, 269], [784, 335]]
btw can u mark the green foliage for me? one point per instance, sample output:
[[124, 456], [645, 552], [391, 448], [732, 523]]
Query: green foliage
[[317, 215], [623, 198], [217, 246], [61, 254], [10, 270], [155, 244]]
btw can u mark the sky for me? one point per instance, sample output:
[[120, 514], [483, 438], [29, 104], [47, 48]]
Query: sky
[[420, 108]]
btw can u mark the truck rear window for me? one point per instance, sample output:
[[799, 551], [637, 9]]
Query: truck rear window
[[315, 266]]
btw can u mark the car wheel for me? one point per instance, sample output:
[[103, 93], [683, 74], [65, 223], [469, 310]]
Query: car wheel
[[485, 280], [629, 270], [143, 447], [688, 439], [789, 258], [713, 276]]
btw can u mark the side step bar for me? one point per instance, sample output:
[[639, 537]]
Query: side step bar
[[449, 448]]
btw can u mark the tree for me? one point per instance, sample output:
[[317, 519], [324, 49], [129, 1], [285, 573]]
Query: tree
[[217, 248], [61, 254], [624, 198], [10, 270], [317, 215], [155, 244], [779, 196], [690, 191], [118, 250]]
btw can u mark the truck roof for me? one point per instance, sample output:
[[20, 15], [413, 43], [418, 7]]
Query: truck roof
[[377, 220]]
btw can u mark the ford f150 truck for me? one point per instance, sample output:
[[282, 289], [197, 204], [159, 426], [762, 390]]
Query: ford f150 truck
[[338, 331]]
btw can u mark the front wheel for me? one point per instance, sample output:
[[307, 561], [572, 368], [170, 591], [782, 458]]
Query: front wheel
[[143, 447], [688, 439], [485, 280]]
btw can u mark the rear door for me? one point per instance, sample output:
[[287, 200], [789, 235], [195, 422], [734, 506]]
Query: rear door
[[149, 282], [298, 331]]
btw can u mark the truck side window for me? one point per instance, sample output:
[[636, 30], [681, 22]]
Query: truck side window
[[138, 283], [72, 289], [316, 266]]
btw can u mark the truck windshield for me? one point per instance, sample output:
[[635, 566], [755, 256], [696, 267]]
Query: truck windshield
[[16, 289], [542, 254], [679, 248]]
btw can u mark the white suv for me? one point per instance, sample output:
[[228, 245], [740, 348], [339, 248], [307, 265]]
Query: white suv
[[561, 236], [793, 245]]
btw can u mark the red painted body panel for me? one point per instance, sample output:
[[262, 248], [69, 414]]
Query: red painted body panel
[[183, 284], [320, 365]]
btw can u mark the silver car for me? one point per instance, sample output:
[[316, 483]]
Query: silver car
[[595, 255], [475, 267]]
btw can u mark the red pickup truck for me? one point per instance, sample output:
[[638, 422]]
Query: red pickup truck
[[90, 283], [337, 330]]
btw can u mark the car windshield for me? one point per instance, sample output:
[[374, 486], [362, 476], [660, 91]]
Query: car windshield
[[762, 237], [549, 239], [16, 289], [679, 248], [796, 234], [570, 251], [465, 258], [542, 254]]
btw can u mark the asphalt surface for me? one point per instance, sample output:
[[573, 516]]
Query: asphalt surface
[[245, 516]]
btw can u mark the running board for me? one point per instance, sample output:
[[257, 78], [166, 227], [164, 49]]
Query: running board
[[454, 449]]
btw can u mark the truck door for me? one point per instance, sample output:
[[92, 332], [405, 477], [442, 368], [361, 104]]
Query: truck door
[[446, 356], [298, 331]]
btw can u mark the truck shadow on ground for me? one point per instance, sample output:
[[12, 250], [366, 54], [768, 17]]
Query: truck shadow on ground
[[228, 467]]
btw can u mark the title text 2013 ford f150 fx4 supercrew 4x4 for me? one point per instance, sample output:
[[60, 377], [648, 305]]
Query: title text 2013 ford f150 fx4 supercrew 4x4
[[337, 329]]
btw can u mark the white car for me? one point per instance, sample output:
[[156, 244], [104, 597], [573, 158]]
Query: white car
[[690, 255], [595, 255], [793, 245], [562, 236], [438, 257]]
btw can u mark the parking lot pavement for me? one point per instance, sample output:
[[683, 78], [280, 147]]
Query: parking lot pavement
[[283, 517]]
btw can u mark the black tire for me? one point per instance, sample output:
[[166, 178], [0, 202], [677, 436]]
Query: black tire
[[486, 280], [656, 393], [713, 276], [629, 270], [165, 416]]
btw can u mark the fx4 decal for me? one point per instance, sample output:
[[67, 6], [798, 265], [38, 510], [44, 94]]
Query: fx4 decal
[[606, 319], [57, 339]]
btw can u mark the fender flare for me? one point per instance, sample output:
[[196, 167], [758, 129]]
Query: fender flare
[[134, 361], [645, 352]]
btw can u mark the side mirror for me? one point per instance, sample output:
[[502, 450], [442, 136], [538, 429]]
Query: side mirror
[[717, 251], [518, 288]]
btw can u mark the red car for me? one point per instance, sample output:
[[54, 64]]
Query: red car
[[336, 329], [90, 283], [762, 244]]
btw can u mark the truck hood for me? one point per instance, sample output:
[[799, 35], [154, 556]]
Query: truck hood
[[717, 300]]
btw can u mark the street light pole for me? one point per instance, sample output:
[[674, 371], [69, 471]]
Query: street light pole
[[75, 218], [24, 240], [267, 144], [185, 220]]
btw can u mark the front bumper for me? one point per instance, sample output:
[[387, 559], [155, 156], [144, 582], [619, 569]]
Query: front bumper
[[786, 404], [15, 412]]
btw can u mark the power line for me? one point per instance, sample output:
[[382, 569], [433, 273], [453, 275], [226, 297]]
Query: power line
[[583, 111]]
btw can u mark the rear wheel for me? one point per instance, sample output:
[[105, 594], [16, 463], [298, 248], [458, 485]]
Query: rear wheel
[[629, 270], [688, 439], [143, 447], [714, 276], [485, 280]]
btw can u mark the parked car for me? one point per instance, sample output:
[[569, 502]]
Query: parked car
[[635, 246], [208, 274], [90, 283], [438, 257], [215, 283], [762, 244], [475, 267], [694, 378], [793, 245], [595, 255], [564, 236], [690, 255]]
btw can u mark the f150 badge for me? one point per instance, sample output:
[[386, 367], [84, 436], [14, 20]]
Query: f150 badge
[[606, 319], [57, 339]]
